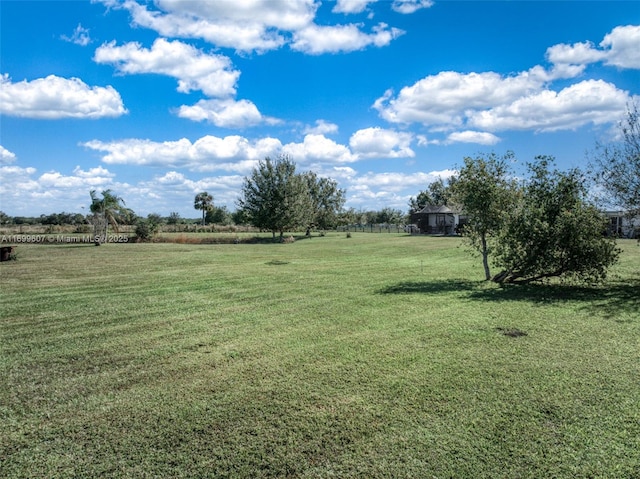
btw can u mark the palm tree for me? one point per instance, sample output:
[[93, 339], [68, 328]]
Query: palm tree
[[203, 201], [105, 212]]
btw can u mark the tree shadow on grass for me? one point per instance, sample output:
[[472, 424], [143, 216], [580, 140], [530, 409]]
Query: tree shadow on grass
[[612, 299], [431, 287]]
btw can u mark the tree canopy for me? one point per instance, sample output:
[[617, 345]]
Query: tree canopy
[[327, 200], [542, 228], [276, 198], [106, 211], [617, 165], [485, 190], [553, 230], [219, 215], [437, 193], [203, 201]]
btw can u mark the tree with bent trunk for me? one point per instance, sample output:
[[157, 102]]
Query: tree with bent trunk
[[485, 191], [553, 231]]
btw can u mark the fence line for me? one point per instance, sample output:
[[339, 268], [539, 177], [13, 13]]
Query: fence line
[[375, 228]]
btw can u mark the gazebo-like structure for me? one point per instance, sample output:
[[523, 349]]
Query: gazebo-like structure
[[436, 219]]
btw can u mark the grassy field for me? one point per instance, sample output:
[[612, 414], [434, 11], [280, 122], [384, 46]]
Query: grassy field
[[376, 356]]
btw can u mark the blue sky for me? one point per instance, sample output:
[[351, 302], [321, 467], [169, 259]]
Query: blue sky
[[161, 100]]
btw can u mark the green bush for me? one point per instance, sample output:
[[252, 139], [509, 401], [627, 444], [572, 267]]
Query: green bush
[[145, 230]]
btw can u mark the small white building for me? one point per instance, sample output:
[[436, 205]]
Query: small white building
[[438, 219], [620, 225]]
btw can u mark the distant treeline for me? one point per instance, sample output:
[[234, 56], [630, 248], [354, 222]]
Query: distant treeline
[[218, 215]]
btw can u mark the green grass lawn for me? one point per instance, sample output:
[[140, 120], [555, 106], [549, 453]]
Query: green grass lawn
[[380, 355]]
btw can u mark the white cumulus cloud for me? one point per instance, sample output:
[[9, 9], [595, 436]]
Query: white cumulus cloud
[[493, 102], [255, 25], [590, 101], [179, 189], [195, 70], [80, 36], [576, 54], [239, 154], [54, 97], [227, 113], [53, 191], [16, 186], [212, 74], [6, 156], [394, 181], [623, 47], [80, 179], [389, 189], [96, 173], [410, 6], [321, 127], [351, 6], [619, 48], [263, 25], [231, 153], [316, 39], [443, 99], [399, 6], [320, 149], [381, 143], [469, 102], [469, 136]]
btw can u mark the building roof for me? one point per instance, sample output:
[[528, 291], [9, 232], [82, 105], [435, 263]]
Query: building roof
[[433, 209]]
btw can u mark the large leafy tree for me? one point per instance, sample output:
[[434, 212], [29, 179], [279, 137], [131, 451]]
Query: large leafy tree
[[350, 217], [219, 215], [4, 218], [203, 201], [553, 231], [326, 198], [389, 216], [106, 211], [617, 164], [174, 218], [484, 190], [276, 198], [437, 193]]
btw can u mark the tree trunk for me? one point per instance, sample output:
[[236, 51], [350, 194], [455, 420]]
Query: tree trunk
[[503, 277], [511, 277], [100, 226], [485, 258]]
